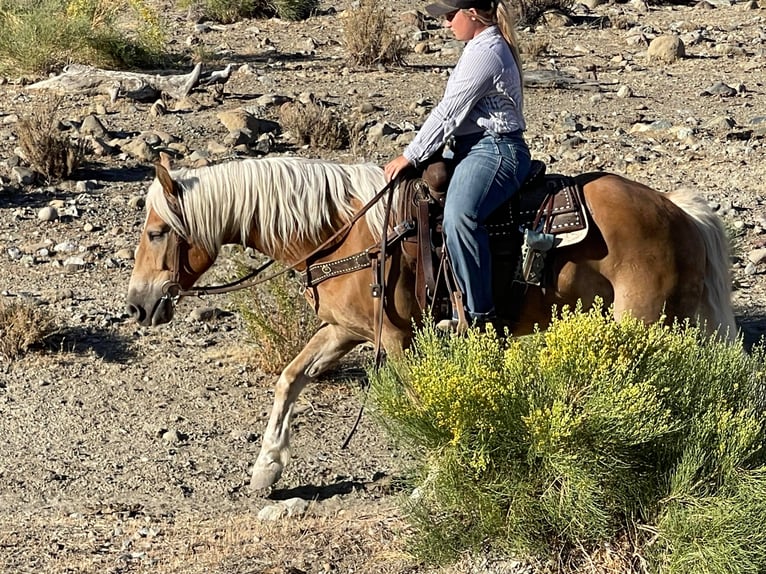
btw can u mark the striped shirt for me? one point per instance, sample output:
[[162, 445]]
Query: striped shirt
[[483, 93]]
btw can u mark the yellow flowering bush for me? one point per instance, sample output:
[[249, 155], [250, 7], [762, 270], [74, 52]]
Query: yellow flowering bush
[[585, 434]]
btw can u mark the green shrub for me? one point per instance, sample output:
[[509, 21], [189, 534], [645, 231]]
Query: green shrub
[[296, 9], [228, 11], [278, 320], [593, 432], [44, 35]]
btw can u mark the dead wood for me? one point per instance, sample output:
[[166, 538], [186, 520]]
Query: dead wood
[[80, 79]]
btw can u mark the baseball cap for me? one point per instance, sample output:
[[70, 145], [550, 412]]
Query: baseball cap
[[442, 7]]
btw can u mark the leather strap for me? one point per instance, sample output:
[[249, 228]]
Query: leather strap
[[424, 275]]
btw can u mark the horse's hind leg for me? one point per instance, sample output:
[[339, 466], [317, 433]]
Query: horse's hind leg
[[327, 345]]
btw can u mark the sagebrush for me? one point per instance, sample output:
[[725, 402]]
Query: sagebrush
[[22, 326], [530, 11], [314, 124], [595, 434], [49, 151], [369, 35], [278, 319], [228, 11]]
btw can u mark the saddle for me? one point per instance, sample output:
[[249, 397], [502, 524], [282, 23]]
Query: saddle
[[547, 212]]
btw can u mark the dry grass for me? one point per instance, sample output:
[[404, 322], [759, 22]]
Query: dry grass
[[50, 153], [534, 47], [360, 540], [531, 10], [315, 125], [22, 326], [369, 35], [278, 320]]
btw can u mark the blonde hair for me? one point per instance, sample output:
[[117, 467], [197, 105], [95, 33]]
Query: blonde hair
[[503, 16]]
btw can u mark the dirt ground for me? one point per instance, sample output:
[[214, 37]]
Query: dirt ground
[[127, 449]]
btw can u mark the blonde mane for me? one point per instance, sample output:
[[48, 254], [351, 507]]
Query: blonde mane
[[291, 200]]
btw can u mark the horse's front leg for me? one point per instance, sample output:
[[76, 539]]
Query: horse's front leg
[[327, 345]]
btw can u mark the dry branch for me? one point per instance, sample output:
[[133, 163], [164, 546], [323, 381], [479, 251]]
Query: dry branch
[[90, 81]]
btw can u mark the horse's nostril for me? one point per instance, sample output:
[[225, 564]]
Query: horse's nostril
[[135, 312]]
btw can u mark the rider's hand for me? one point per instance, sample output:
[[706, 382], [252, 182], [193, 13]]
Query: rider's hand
[[395, 166]]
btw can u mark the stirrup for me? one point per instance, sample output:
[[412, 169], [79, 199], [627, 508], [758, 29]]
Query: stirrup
[[452, 326]]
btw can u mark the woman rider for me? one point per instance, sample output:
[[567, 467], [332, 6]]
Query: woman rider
[[482, 110]]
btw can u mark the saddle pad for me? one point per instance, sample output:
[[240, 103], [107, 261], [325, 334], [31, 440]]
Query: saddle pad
[[552, 204]]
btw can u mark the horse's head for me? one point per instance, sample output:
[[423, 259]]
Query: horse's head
[[167, 261]]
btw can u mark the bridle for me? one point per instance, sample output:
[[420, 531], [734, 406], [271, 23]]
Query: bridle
[[172, 291]]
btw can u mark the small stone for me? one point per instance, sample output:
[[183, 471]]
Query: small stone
[[171, 436], [125, 254], [204, 314], [158, 109], [92, 126], [136, 202], [757, 256], [272, 513], [85, 185], [624, 92], [23, 175], [47, 213], [666, 48]]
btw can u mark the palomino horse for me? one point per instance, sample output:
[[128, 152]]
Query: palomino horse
[[649, 254]]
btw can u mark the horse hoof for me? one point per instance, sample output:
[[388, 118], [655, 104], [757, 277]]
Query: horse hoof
[[265, 475]]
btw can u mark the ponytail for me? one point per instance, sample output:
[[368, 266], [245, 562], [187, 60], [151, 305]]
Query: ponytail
[[506, 23]]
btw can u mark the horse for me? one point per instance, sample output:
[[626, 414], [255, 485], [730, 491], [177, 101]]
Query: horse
[[656, 256]]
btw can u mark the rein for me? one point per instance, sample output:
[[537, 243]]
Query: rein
[[173, 291]]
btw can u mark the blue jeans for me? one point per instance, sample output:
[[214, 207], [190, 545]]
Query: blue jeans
[[490, 168]]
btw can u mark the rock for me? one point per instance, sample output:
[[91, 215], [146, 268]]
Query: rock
[[83, 186], [719, 89], [290, 508], [666, 48], [265, 143], [74, 263], [23, 176], [556, 19], [624, 92], [380, 131], [720, 123], [137, 202], [757, 256], [241, 119], [216, 148], [172, 436], [141, 150], [204, 314], [412, 19], [47, 213], [125, 254], [237, 137], [66, 247], [158, 109], [92, 126]]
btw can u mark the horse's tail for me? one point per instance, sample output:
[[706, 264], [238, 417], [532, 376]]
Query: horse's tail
[[717, 273]]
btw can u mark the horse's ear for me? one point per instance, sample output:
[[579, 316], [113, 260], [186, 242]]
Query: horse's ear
[[169, 187], [165, 161]]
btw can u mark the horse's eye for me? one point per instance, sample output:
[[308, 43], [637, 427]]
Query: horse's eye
[[156, 235]]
